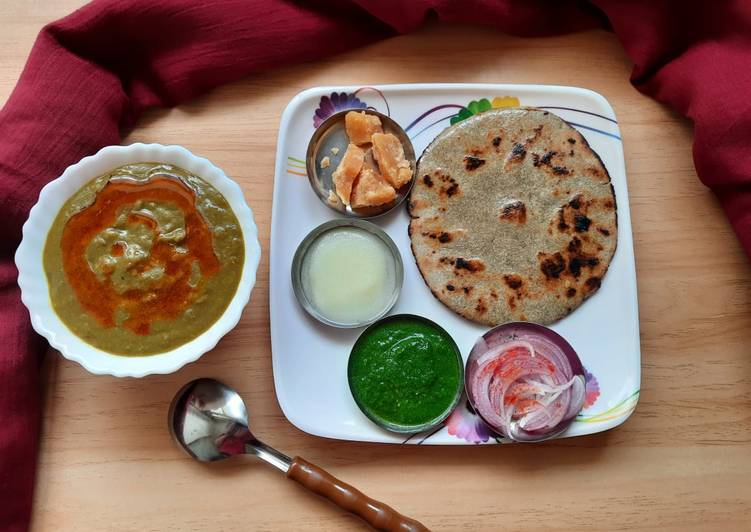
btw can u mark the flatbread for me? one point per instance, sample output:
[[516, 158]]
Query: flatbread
[[513, 217]]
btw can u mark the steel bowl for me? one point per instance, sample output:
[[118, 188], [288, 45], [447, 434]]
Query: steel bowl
[[331, 134], [409, 429], [302, 249]]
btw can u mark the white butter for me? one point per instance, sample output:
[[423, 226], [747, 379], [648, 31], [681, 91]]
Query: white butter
[[348, 274]]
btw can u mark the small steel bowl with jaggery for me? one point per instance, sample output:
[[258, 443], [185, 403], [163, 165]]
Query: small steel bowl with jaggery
[[360, 163]]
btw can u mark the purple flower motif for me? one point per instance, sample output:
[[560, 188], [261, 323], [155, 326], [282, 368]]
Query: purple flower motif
[[464, 423], [338, 101], [591, 389]]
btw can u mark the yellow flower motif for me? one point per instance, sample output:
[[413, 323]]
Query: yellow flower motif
[[478, 106], [505, 101]]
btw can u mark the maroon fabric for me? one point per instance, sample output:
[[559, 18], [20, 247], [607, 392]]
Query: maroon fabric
[[92, 73]]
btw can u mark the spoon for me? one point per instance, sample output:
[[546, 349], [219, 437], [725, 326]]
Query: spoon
[[209, 421]]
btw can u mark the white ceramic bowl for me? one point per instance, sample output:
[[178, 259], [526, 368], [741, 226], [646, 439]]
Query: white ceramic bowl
[[33, 281]]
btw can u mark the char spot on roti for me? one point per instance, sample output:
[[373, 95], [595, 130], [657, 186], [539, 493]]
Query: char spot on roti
[[514, 211], [530, 230], [443, 237], [471, 265], [513, 281], [518, 152], [593, 283], [581, 223], [552, 265], [472, 162]]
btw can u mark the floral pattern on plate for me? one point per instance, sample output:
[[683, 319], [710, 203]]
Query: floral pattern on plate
[[466, 424], [341, 101], [478, 106], [337, 101]]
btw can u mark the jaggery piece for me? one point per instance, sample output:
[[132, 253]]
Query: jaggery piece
[[332, 198], [346, 173], [361, 126], [370, 189], [389, 153]]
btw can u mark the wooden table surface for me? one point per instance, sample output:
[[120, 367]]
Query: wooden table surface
[[682, 461]]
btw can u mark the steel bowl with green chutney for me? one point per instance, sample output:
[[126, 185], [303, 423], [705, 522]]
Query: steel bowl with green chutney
[[406, 373]]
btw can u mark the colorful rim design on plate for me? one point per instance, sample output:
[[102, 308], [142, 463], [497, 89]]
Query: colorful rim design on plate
[[340, 101]]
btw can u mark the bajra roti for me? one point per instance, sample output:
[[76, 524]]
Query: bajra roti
[[513, 217]]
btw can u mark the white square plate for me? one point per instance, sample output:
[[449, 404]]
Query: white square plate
[[310, 359]]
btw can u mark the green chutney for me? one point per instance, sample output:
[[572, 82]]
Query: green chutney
[[405, 373]]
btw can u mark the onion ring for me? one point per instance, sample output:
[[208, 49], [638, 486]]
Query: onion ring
[[525, 381]]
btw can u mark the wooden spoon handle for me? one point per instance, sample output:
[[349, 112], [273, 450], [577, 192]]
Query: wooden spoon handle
[[377, 514]]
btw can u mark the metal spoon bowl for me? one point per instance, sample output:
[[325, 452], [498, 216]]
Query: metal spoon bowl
[[209, 421]]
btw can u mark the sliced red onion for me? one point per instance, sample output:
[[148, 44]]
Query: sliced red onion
[[525, 381]]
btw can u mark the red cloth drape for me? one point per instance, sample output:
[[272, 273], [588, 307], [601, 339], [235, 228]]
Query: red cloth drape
[[93, 72]]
